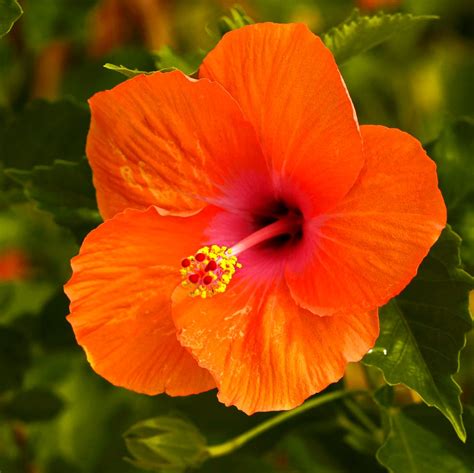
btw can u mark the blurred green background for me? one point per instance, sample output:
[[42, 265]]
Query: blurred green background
[[57, 415]]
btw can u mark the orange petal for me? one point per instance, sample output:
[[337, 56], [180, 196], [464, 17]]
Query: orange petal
[[369, 246], [289, 87], [264, 351], [120, 296], [167, 140]]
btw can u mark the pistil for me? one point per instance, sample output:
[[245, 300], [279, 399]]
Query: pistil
[[210, 270], [285, 226]]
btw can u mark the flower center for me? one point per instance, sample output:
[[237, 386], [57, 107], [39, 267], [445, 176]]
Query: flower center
[[209, 271]]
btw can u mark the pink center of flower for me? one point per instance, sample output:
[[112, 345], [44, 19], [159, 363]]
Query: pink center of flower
[[211, 268], [280, 231]]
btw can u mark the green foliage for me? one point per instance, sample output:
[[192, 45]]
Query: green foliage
[[65, 190], [166, 59], [424, 329], [84, 78], [309, 457], [53, 330], [453, 152], [42, 132], [42, 150], [384, 396], [237, 18], [57, 415], [14, 358], [59, 19], [10, 11], [124, 70], [166, 443], [360, 33], [32, 405], [419, 441]]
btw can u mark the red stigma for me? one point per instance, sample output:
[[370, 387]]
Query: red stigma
[[194, 278], [211, 266], [207, 280], [200, 257], [209, 270]]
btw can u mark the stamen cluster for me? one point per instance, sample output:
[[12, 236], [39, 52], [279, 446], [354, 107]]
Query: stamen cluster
[[209, 271]]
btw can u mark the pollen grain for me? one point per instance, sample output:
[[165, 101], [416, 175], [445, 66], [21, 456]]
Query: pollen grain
[[209, 271]]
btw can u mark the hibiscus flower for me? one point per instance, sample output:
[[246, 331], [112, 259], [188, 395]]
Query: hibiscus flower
[[252, 228]]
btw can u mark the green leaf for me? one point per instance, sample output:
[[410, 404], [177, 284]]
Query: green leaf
[[82, 79], [124, 70], [167, 60], [237, 18], [33, 405], [384, 396], [14, 358], [6, 293], [168, 443], [54, 331], [307, 456], [360, 33], [453, 152], [424, 329], [48, 21], [59, 465], [42, 132], [240, 462], [10, 11], [420, 442], [65, 190]]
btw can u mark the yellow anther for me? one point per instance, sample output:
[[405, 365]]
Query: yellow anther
[[208, 271]]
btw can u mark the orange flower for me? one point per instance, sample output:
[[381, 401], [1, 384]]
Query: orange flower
[[252, 228]]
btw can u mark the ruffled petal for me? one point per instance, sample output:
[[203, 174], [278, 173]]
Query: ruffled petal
[[167, 140], [120, 296], [264, 351], [289, 87], [369, 246]]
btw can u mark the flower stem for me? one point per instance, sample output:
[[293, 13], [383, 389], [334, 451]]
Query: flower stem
[[237, 442], [361, 416]]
